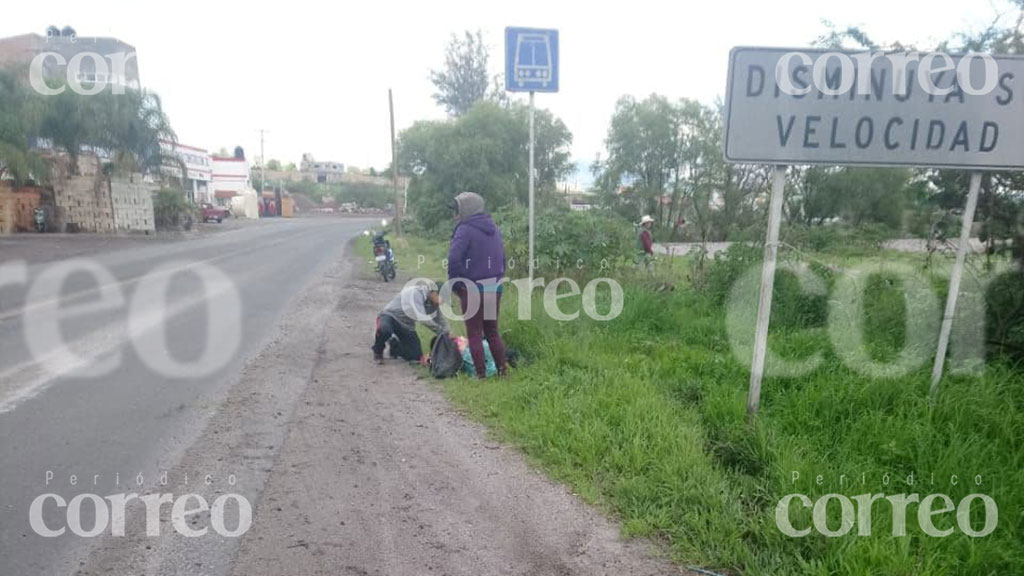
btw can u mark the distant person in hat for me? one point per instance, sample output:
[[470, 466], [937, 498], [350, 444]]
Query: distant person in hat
[[645, 245]]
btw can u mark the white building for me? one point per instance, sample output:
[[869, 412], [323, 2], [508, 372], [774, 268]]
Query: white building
[[198, 170], [230, 179]]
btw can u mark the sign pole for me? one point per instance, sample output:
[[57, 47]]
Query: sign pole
[[531, 187], [954, 282], [531, 65], [764, 308]]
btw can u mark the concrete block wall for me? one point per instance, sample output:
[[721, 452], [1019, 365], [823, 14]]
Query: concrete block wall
[[96, 204], [133, 205], [79, 200], [85, 202]]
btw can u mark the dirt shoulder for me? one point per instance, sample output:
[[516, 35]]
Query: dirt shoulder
[[379, 474], [357, 469]]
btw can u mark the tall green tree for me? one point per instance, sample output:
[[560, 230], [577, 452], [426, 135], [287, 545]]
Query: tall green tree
[[643, 160], [856, 195], [1000, 206], [19, 124], [136, 126], [484, 151], [665, 159], [130, 127], [464, 80], [69, 122], [863, 195], [1001, 198], [740, 186]]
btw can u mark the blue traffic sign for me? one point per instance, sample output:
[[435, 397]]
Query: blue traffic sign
[[531, 60]]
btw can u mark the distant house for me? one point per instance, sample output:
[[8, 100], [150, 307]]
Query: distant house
[[320, 171], [578, 199]]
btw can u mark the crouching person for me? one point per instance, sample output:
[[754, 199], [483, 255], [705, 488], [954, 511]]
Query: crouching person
[[396, 323]]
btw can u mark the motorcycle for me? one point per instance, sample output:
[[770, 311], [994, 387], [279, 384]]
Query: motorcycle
[[39, 219], [384, 256]]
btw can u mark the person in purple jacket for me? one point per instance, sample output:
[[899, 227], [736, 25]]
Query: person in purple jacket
[[476, 258]]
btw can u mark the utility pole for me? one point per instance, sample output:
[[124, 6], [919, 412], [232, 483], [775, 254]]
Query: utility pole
[[394, 168]]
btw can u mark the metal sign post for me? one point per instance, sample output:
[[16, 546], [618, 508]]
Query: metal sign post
[[531, 188], [954, 282], [764, 306], [531, 65]]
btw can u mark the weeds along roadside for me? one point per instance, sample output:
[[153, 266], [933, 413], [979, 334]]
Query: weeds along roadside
[[644, 416]]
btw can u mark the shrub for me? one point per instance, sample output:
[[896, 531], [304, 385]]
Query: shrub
[[791, 306], [172, 211], [726, 268], [1004, 320], [845, 240], [599, 241]]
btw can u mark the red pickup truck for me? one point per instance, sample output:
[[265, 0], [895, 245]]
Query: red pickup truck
[[210, 212]]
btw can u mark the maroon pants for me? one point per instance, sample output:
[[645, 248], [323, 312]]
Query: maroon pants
[[484, 324]]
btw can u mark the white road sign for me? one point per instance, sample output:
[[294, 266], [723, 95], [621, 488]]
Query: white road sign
[[805, 106]]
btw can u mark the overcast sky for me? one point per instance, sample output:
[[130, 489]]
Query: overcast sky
[[315, 75]]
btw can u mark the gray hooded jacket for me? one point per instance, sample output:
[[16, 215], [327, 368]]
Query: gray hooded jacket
[[412, 305]]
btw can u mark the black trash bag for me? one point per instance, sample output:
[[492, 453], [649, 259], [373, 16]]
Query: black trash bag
[[445, 359]]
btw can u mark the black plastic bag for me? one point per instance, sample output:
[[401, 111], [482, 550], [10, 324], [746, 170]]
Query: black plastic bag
[[445, 359]]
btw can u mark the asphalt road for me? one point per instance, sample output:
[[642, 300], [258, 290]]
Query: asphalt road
[[141, 314]]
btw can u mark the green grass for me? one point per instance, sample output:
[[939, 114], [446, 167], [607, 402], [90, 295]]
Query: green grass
[[644, 416]]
